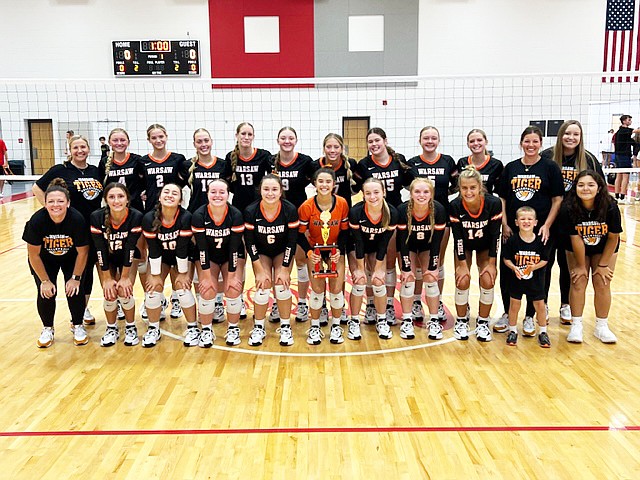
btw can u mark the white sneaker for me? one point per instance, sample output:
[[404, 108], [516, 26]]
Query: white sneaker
[[176, 309], [335, 336], [390, 313], [88, 318], [143, 312], [324, 316], [406, 330], [343, 317], [151, 338], [435, 329], [528, 327], [232, 336], [120, 314], [110, 337], [565, 315], [502, 325], [461, 330], [384, 330], [243, 310], [191, 336], [218, 313], [603, 333], [256, 336], [442, 315], [80, 335], [131, 336], [314, 335], [353, 330], [417, 312], [46, 337], [483, 333], [575, 334], [286, 335], [370, 315], [302, 315], [274, 317], [206, 338]]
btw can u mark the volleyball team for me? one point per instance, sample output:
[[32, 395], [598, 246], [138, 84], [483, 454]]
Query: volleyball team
[[129, 217]]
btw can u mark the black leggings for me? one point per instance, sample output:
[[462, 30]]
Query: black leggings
[[47, 306]]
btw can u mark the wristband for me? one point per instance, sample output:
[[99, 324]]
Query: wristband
[[77, 278]]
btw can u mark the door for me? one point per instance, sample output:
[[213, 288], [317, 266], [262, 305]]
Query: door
[[354, 132], [42, 148]]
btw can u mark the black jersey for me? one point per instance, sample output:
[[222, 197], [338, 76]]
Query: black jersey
[[442, 172], [130, 173], [370, 236], [477, 232], [420, 236], [343, 185], [533, 186], [271, 237], [173, 168], [623, 141], [295, 177], [592, 232], [104, 152], [491, 169], [218, 242], [84, 185], [58, 242], [249, 172], [523, 253], [199, 181], [569, 170], [392, 174], [116, 247], [170, 242]]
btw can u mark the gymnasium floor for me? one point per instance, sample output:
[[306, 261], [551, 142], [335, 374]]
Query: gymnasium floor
[[368, 409]]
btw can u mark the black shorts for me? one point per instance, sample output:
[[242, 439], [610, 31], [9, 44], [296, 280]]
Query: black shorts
[[533, 289], [622, 161]]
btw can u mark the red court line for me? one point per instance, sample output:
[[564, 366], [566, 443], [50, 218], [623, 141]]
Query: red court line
[[301, 430], [12, 248], [15, 197]]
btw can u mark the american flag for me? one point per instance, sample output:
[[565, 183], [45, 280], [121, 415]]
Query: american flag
[[621, 40]]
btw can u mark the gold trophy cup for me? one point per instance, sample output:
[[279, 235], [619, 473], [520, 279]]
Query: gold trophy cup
[[325, 268]]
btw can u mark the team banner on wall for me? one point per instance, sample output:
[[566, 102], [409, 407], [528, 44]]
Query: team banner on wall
[[621, 40]]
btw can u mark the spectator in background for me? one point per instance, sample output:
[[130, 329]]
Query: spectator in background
[[104, 149], [67, 151], [623, 150], [4, 163]]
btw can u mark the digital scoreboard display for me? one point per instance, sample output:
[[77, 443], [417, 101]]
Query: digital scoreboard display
[[156, 57]]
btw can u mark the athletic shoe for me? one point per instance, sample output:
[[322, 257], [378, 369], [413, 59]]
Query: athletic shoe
[[302, 315], [274, 317], [324, 316], [218, 313], [243, 310], [286, 335], [575, 334], [176, 309], [528, 327], [206, 338], [442, 315], [151, 337], [502, 325], [314, 335], [603, 334], [191, 336], [257, 336], [565, 315], [483, 334], [110, 337], [46, 337], [143, 312], [406, 330], [131, 336], [512, 339], [343, 317], [543, 340], [435, 329], [232, 336], [353, 330], [336, 334], [384, 330], [370, 315], [88, 318], [390, 313], [461, 330], [80, 335], [120, 312], [417, 312]]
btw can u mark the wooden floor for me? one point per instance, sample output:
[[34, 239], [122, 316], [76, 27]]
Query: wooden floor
[[370, 409]]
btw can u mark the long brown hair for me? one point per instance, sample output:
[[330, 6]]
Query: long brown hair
[[380, 132], [558, 149], [107, 209], [235, 153]]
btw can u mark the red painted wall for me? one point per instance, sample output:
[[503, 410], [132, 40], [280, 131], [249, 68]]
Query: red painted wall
[[296, 57]]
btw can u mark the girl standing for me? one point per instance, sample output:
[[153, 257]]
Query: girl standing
[[490, 168]]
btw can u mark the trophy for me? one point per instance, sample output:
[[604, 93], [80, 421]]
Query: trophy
[[325, 268]]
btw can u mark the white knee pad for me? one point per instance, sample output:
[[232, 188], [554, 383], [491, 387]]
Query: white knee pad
[[358, 290], [336, 300], [109, 305], [303, 274], [462, 296], [441, 272], [142, 267], [316, 300], [153, 300], [234, 305], [261, 297], [418, 274], [486, 296], [282, 293], [379, 290], [127, 303], [407, 290], [432, 290], [186, 298], [206, 307], [390, 278]]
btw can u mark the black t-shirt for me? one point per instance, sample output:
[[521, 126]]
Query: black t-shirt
[[443, 172], [85, 186], [173, 168], [593, 232], [623, 141], [218, 242], [249, 172], [490, 170], [477, 232], [116, 248], [393, 176], [202, 176], [171, 241], [523, 253], [418, 237], [370, 236], [58, 242], [104, 151], [130, 173], [532, 186], [343, 186], [295, 177], [569, 170]]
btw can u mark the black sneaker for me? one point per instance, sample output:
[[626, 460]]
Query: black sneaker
[[543, 340], [512, 339]]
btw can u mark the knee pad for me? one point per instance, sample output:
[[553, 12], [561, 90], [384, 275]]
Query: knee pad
[[155, 266], [336, 300], [282, 293], [407, 290], [379, 290], [486, 296], [206, 307], [109, 305], [303, 274], [418, 274], [431, 289], [153, 300], [358, 290], [261, 297], [142, 267], [127, 303], [462, 296], [441, 272], [234, 305], [186, 298], [390, 278], [316, 300]]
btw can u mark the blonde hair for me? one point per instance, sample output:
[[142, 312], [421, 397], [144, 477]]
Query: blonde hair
[[235, 153], [109, 162], [155, 126], [386, 213], [475, 130], [276, 157], [431, 206], [558, 148], [196, 157], [471, 172], [73, 139], [345, 159]]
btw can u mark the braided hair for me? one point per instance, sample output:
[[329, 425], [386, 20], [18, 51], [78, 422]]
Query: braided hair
[[276, 157], [109, 162], [430, 206], [386, 213], [235, 153]]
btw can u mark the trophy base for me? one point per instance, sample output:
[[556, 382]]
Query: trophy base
[[330, 268], [325, 274]]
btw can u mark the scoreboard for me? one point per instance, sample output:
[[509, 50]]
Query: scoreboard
[[156, 57]]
